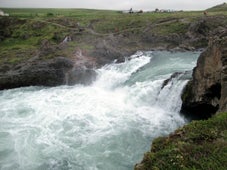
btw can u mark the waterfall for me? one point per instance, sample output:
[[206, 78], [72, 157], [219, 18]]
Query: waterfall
[[107, 125]]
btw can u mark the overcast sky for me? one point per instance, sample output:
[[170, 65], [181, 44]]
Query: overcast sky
[[114, 4]]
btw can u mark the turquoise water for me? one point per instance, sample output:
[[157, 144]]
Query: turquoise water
[[107, 125]]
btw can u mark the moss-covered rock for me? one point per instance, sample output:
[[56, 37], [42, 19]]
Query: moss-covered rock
[[198, 145]]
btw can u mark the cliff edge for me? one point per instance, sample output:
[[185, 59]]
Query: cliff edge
[[200, 144], [206, 93]]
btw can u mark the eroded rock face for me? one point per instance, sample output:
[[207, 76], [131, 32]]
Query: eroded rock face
[[57, 71], [206, 94]]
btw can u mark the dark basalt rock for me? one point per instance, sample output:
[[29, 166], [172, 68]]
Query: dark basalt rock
[[58, 71], [109, 49], [206, 94], [46, 73], [177, 75], [174, 75]]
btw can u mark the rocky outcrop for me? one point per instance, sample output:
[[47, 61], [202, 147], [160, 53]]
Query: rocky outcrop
[[109, 49], [194, 146], [206, 94], [53, 72]]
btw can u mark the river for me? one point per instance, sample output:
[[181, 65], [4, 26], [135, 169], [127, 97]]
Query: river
[[105, 126]]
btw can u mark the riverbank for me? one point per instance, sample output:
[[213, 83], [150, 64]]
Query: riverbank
[[33, 41], [198, 145]]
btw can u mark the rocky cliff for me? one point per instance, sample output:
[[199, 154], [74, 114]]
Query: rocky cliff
[[200, 144], [206, 94], [53, 72]]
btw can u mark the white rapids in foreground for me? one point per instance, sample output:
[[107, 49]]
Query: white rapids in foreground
[[105, 126]]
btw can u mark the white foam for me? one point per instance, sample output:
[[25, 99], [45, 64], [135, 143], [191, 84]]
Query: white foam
[[108, 125]]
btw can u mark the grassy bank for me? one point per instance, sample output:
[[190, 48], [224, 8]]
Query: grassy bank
[[198, 145], [23, 33]]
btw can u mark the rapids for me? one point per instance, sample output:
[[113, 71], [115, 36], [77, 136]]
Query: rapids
[[105, 126]]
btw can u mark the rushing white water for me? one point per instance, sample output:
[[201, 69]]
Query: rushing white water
[[106, 126]]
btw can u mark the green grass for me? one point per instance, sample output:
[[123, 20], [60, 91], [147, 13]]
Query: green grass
[[26, 38], [45, 13], [28, 28], [218, 8], [173, 27], [17, 53], [198, 145], [104, 21]]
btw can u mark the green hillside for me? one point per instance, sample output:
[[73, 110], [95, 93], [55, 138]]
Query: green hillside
[[218, 8], [26, 32]]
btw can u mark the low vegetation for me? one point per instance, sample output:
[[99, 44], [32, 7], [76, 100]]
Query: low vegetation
[[218, 8], [25, 32], [198, 145]]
